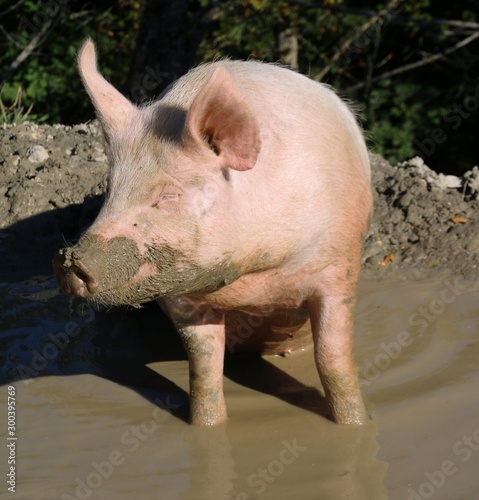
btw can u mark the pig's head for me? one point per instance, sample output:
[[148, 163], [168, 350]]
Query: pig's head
[[165, 224]]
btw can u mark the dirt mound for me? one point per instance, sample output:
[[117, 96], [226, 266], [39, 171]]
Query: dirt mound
[[423, 219], [52, 180]]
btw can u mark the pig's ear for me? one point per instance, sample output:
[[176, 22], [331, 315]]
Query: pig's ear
[[221, 120], [113, 108]]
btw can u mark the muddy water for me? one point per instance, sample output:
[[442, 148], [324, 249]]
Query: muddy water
[[101, 405]]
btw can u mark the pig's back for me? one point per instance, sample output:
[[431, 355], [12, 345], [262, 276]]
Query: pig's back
[[288, 103], [305, 203], [310, 186]]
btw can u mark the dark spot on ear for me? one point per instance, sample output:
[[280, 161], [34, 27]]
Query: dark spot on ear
[[135, 224], [226, 173]]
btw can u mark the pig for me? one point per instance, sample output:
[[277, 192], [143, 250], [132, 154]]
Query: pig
[[240, 199]]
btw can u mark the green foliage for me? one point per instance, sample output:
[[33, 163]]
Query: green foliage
[[15, 112], [49, 78], [334, 45], [397, 110]]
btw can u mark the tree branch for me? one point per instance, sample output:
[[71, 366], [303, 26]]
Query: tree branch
[[445, 22], [27, 51], [417, 64], [373, 14], [334, 8], [379, 17], [11, 8]]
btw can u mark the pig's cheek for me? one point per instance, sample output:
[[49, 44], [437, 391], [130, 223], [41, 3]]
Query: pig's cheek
[[200, 200], [146, 271]]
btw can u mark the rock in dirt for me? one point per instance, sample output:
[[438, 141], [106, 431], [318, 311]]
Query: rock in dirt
[[37, 154]]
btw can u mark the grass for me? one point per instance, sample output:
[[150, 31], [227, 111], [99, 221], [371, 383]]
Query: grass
[[17, 112]]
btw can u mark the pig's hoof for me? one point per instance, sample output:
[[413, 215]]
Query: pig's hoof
[[353, 420], [203, 417], [350, 415], [206, 421]]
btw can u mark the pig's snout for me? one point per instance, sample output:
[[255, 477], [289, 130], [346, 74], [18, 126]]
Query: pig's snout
[[109, 271], [72, 275]]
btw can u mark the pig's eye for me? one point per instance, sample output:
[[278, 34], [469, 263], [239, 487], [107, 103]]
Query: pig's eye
[[166, 198], [169, 197], [166, 194]]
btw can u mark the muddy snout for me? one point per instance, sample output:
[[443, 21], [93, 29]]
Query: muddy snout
[[72, 276], [96, 265]]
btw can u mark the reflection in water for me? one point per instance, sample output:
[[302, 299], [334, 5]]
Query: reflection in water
[[44, 333], [303, 457], [248, 456], [102, 404]]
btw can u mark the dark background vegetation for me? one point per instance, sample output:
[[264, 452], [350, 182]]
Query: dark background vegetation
[[412, 66]]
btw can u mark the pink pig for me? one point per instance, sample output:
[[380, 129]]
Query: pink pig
[[241, 199]]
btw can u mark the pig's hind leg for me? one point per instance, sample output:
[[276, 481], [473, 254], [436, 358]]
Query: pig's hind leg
[[331, 311]]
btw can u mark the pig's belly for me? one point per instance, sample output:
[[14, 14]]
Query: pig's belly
[[280, 332], [265, 312]]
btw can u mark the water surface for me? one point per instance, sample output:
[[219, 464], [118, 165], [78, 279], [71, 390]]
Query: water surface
[[101, 404]]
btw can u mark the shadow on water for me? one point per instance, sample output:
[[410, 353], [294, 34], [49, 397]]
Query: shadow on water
[[27, 247], [45, 333]]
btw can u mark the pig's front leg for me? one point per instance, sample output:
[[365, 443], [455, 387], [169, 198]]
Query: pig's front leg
[[205, 345], [203, 335], [332, 326]]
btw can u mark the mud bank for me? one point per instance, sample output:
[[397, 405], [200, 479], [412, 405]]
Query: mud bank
[[52, 179], [101, 396]]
